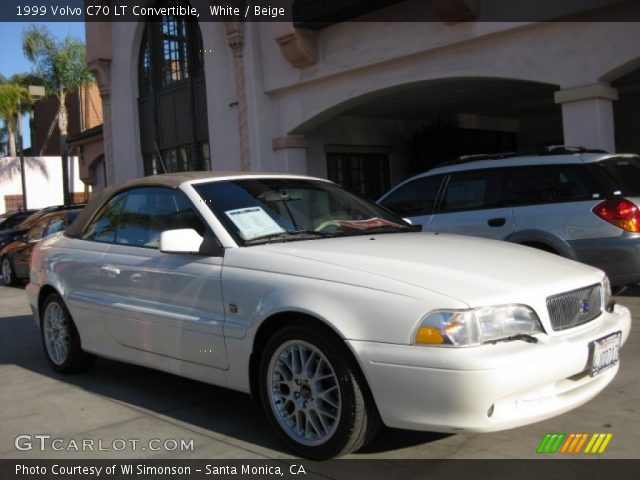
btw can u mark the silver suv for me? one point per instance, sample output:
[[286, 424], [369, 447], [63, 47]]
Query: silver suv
[[580, 205]]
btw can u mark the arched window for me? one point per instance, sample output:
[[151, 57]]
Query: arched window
[[172, 102]]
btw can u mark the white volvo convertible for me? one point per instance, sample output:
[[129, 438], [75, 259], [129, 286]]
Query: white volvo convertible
[[332, 311]]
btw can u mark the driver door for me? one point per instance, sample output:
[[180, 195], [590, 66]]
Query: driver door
[[168, 304]]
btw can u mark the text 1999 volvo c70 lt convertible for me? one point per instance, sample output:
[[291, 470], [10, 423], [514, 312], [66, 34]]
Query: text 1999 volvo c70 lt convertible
[[331, 310]]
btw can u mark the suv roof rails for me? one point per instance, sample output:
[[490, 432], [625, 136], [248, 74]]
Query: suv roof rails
[[555, 149], [548, 150]]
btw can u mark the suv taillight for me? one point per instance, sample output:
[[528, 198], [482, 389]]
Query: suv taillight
[[619, 212]]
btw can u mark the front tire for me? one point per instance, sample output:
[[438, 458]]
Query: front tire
[[314, 395], [8, 272], [60, 338]]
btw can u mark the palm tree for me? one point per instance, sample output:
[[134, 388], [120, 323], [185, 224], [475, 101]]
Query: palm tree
[[14, 100], [63, 67]]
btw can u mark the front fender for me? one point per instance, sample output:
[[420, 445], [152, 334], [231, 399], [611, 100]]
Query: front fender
[[353, 312]]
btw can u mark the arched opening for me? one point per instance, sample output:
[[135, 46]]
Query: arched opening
[[371, 142], [172, 100]]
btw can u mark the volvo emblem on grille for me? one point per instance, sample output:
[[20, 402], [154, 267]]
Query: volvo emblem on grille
[[584, 306]]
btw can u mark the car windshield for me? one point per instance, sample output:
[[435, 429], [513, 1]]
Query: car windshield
[[31, 219], [622, 175], [263, 210]]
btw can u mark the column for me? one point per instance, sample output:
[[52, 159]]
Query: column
[[587, 116], [290, 154], [101, 69], [235, 38]]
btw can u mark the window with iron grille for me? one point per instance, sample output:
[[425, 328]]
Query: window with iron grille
[[366, 174], [172, 104]]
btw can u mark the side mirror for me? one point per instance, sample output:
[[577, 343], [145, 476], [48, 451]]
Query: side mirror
[[185, 240]]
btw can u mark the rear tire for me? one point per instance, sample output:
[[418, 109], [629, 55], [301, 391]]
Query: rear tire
[[8, 272], [60, 338], [314, 395]]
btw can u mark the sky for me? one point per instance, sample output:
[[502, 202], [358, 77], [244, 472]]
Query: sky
[[12, 59]]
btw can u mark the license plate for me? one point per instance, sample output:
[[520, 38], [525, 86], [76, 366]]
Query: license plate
[[604, 353]]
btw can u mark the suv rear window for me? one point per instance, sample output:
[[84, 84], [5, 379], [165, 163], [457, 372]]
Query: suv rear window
[[550, 184], [621, 175]]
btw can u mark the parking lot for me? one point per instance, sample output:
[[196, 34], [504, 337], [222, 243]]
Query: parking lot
[[149, 413]]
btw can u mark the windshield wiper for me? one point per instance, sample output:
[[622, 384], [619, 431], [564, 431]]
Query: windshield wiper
[[286, 236]]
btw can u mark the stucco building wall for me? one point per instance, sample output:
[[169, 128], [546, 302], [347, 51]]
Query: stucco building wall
[[43, 179], [294, 112]]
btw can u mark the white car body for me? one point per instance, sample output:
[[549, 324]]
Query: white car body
[[371, 290]]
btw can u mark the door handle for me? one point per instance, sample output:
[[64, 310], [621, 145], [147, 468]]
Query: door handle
[[110, 270], [137, 277], [497, 222]]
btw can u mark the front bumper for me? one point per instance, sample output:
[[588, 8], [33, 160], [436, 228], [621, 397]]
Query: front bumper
[[489, 387]]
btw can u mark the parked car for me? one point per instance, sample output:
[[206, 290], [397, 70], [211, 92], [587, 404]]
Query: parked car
[[9, 235], [10, 220], [332, 311], [14, 257], [583, 206]]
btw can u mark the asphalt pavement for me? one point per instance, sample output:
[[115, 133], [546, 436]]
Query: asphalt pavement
[[126, 411]]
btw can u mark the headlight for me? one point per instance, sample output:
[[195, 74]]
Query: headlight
[[476, 326]]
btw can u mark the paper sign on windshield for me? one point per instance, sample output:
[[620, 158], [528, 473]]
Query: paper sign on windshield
[[253, 222]]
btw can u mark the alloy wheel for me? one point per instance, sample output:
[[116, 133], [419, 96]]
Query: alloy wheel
[[7, 274], [304, 392], [57, 334]]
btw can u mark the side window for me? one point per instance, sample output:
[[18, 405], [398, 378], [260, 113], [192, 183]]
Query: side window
[[474, 190], [414, 198], [185, 216], [148, 212], [618, 174], [549, 184], [103, 227], [61, 222], [55, 226]]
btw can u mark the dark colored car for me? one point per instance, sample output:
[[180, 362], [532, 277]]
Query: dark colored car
[[14, 257], [8, 235], [11, 220]]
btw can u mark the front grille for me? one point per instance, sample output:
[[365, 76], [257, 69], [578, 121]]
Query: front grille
[[577, 307]]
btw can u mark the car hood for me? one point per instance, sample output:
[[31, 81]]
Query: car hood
[[472, 270], [12, 231], [8, 235]]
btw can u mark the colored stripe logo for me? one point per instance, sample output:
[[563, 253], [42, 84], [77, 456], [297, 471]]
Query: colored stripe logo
[[574, 443]]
